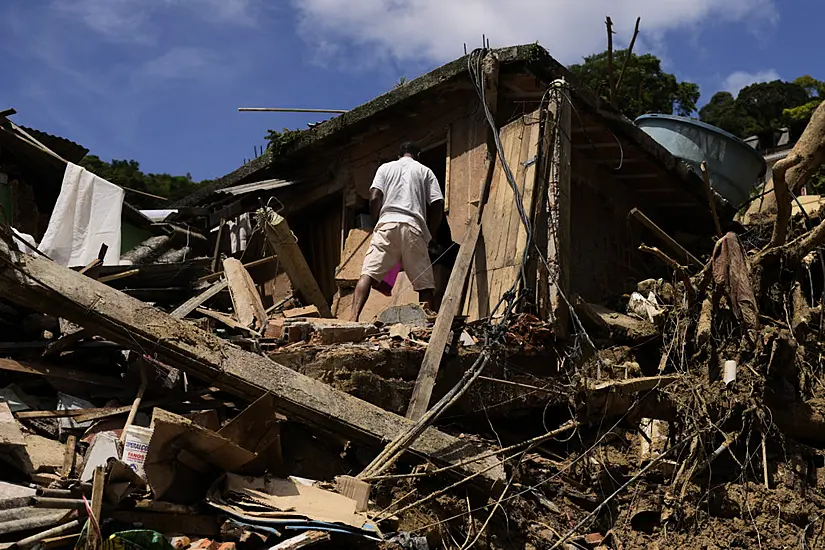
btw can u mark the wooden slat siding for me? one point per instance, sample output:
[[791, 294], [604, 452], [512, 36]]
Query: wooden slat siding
[[504, 236], [530, 175]]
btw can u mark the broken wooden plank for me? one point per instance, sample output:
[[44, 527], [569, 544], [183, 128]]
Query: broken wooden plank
[[69, 457], [195, 302], [66, 341], [308, 311], [99, 483], [245, 298], [48, 287], [116, 276], [60, 372], [450, 305], [226, 320], [280, 237], [682, 254]]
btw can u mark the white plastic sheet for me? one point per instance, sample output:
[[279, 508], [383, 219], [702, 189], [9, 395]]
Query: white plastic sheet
[[86, 215]]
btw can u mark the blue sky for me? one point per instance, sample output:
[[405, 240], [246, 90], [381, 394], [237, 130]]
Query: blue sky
[[160, 81]]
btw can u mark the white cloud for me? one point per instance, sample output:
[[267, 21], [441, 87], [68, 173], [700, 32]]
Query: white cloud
[[130, 20], [434, 30], [183, 63], [739, 79]]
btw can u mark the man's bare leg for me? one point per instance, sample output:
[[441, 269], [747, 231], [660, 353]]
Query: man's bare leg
[[428, 296], [359, 298]]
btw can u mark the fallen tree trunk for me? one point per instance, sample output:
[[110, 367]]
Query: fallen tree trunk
[[45, 286]]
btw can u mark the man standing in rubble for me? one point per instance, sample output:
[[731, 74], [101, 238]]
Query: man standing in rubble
[[407, 203]]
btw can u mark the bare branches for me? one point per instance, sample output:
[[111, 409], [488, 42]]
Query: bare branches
[[610, 91], [627, 57]]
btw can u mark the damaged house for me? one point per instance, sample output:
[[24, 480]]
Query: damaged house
[[210, 390], [320, 179]]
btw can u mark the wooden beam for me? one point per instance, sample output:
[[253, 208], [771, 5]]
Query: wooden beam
[[246, 301], [61, 372], [450, 306], [682, 254], [195, 302], [282, 240], [50, 288]]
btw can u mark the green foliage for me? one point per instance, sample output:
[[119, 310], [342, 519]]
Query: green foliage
[[401, 81], [763, 108], [723, 112], [645, 87], [279, 142], [764, 103], [812, 86], [127, 173]]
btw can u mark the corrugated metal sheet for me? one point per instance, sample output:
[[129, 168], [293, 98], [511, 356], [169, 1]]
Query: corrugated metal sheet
[[266, 185]]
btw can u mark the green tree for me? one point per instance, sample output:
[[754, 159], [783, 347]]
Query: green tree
[[764, 104], [645, 87], [724, 112], [797, 117], [127, 174]]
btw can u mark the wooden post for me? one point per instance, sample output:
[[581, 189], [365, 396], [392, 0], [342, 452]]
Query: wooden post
[[450, 305], [69, 456], [682, 254], [292, 259], [98, 484], [454, 293], [560, 205], [217, 253]]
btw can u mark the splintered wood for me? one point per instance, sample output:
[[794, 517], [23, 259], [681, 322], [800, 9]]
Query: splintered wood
[[245, 298], [503, 235]]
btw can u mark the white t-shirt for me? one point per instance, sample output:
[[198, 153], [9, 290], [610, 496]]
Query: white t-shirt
[[409, 188]]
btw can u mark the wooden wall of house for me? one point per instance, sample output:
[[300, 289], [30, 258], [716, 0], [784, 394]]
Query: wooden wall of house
[[605, 260], [453, 120]]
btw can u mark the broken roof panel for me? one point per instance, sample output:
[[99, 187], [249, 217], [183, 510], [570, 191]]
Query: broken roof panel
[[266, 185]]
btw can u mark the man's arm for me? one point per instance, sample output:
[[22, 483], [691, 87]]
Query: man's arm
[[376, 202], [435, 213]]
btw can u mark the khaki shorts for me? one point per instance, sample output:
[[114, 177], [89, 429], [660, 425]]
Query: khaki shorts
[[396, 241]]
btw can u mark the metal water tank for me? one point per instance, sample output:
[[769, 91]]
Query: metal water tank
[[733, 166]]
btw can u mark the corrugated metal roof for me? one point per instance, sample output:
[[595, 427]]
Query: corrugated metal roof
[[265, 185]]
